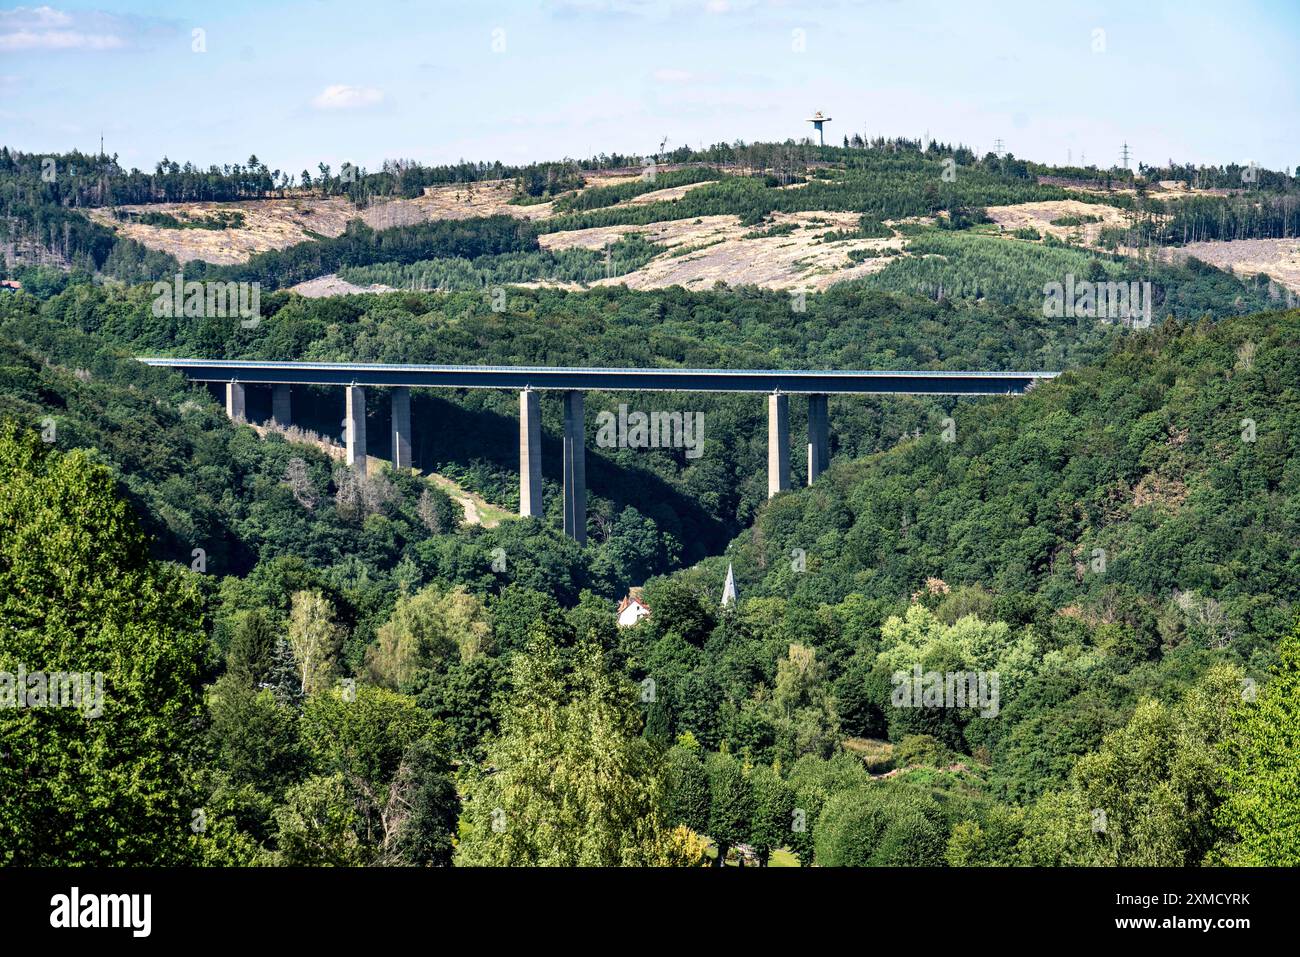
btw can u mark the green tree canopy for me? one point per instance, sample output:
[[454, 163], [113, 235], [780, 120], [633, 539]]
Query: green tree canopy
[[1263, 776], [105, 781], [572, 783]]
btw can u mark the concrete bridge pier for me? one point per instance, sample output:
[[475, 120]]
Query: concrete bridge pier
[[778, 443], [236, 407], [819, 437], [281, 406], [575, 469], [401, 428], [354, 422], [530, 453]]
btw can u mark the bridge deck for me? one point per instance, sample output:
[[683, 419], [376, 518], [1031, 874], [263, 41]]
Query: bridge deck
[[923, 382]]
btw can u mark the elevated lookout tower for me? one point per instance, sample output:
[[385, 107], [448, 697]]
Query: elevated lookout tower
[[817, 120]]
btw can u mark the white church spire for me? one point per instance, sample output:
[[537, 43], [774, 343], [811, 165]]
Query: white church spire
[[729, 588]]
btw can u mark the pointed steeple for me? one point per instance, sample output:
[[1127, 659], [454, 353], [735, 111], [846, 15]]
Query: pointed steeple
[[729, 588]]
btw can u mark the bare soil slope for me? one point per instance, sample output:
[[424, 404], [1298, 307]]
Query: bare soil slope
[[1279, 259], [789, 252], [712, 249], [1039, 216], [280, 223]]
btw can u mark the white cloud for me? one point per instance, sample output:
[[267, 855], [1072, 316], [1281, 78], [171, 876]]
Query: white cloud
[[340, 96], [35, 17], [21, 40], [24, 29]]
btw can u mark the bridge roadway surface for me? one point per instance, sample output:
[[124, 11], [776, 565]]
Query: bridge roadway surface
[[793, 382]]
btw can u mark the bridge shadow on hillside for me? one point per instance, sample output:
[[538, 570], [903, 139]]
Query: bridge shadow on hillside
[[447, 428], [463, 435]]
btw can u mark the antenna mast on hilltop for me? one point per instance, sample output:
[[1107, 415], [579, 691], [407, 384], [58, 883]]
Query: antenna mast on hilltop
[[997, 147], [1123, 155]]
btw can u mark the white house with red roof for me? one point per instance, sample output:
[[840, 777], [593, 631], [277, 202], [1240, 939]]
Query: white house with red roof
[[632, 609]]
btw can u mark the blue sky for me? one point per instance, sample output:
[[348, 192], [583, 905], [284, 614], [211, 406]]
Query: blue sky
[[316, 80]]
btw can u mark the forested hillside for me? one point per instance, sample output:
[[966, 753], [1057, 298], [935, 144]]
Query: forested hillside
[[1142, 455], [1114, 538], [701, 502], [342, 671], [43, 201]]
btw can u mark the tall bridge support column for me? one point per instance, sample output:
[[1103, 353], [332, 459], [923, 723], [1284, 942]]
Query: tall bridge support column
[[236, 408], [778, 443], [354, 423], [401, 428], [575, 469], [281, 406], [530, 453], [819, 437]]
